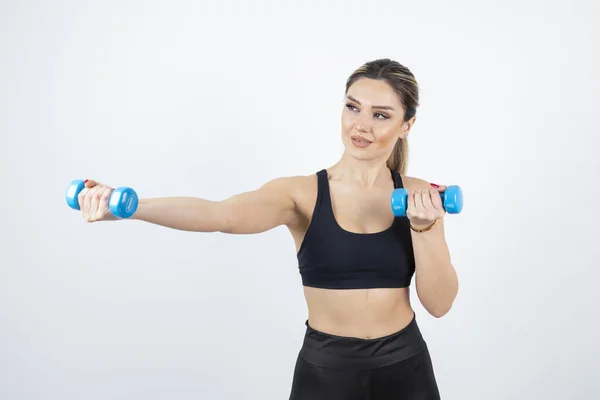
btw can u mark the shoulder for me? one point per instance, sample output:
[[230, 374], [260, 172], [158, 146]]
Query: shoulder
[[292, 182], [296, 187], [412, 183], [299, 192]]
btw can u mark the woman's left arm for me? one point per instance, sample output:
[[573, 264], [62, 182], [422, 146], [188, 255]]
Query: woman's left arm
[[436, 278]]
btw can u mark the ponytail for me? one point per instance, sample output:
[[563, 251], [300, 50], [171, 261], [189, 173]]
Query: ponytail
[[399, 157]]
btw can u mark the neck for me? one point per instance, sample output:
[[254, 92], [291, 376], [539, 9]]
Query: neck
[[362, 172]]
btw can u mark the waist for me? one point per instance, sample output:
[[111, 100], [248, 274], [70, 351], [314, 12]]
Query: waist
[[353, 354], [359, 312]]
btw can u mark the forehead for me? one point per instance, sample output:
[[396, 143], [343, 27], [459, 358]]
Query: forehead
[[373, 92]]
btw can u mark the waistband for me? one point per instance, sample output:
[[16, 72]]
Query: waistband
[[356, 354]]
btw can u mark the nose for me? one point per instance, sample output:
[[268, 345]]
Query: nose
[[362, 124]]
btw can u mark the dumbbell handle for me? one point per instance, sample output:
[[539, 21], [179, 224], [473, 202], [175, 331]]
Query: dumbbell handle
[[123, 201]]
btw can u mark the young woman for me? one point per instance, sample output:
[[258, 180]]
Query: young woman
[[356, 259]]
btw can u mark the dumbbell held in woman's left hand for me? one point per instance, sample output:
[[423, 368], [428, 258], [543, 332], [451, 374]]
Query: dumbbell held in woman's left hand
[[452, 200]]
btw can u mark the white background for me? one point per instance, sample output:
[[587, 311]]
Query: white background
[[209, 99]]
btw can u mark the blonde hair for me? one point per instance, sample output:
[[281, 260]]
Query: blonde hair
[[406, 87]]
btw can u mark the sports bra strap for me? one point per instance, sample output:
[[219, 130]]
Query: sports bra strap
[[323, 184], [323, 212]]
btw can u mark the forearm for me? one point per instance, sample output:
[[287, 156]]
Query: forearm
[[436, 278], [182, 213]]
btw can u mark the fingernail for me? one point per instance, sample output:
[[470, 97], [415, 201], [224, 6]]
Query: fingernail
[[434, 185], [86, 181]]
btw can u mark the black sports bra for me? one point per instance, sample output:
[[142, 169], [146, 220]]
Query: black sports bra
[[333, 258]]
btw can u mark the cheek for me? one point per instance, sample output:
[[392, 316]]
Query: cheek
[[347, 122], [387, 136]]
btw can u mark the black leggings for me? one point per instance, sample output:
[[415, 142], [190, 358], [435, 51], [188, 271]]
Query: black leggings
[[395, 367]]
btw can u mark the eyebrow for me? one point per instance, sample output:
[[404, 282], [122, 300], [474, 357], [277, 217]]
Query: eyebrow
[[378, 107]]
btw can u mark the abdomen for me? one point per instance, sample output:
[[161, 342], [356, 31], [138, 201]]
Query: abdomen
[[363, 313]]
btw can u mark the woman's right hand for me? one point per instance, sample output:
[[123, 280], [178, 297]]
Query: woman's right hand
[[93, 202]]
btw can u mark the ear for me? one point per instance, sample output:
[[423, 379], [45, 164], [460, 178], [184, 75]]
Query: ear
[[405, 128]]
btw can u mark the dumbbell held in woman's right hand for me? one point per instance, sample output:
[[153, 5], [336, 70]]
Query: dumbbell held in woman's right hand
[[99, 199], [452, 200]]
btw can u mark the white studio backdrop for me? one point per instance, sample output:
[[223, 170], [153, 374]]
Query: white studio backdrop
[[210, 99]]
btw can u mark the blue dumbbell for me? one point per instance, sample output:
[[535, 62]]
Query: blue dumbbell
[[452, 199], [123, 201]]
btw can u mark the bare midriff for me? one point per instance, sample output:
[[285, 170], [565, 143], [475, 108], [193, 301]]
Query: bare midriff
[[359, 313]]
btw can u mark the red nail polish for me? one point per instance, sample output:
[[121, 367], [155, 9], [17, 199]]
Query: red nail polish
[[434, 185], [86, 181]]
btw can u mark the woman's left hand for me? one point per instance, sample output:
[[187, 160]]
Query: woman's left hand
[[424, 206]]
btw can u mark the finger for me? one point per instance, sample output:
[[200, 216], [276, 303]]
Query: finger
[[103, 204], [84, 202], [96, 191], [90, 183], [426, 199], [418, 211], [410, 203], [439, 188], [418, 199], [81, 200], [436, 200], [429, 198]]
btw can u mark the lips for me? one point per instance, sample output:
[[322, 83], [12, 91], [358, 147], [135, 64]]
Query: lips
[[359, 138], [360, 142]]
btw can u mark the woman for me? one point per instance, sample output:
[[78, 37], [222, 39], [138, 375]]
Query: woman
[[356, 259]]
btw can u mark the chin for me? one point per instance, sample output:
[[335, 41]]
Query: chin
[[360, 154]]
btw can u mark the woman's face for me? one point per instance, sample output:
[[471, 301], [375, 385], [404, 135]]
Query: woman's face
[[372, 120]]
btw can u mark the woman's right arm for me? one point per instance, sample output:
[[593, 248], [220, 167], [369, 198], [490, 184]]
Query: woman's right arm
[[249, 212]]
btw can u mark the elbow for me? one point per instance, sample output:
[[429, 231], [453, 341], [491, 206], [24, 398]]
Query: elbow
[[439, 312], [439, 309]]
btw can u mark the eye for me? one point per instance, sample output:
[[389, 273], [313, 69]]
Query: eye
[[350, 107], [382, 116]]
